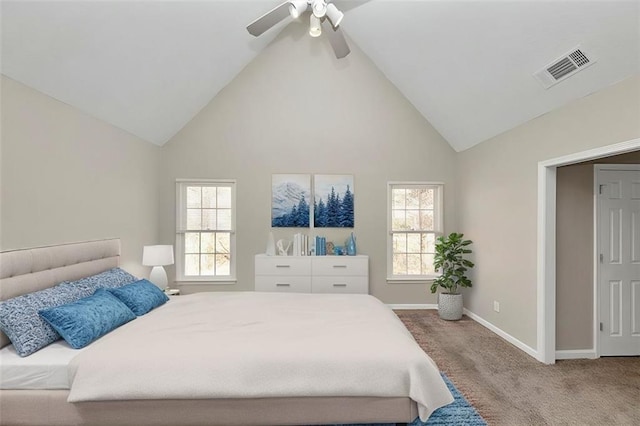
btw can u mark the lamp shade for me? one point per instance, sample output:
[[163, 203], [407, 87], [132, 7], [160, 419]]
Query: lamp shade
[[297, 8], [157, 255], [334, 15], [314, 27]]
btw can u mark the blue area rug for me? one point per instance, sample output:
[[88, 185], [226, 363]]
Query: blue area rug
[[459, 412]]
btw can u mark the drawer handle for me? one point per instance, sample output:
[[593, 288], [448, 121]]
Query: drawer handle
[[283, 266], [339, 266], [339, 285], [283, 285]]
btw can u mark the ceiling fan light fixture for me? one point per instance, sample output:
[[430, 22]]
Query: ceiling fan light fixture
[[319, 8], [322, 13], [297, 8], [315, 30], [334, 15]]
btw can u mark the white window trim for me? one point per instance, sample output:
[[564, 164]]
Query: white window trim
[[206, 280], [439, 225]]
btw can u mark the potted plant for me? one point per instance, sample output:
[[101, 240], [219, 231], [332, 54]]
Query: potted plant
[[449, 260]]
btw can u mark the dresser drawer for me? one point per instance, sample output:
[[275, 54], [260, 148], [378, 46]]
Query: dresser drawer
[[285, 284], [337, 284], [340, 265], [283, 265]]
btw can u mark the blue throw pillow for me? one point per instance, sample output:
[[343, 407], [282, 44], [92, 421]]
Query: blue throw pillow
[[85, 320], [141, 296]]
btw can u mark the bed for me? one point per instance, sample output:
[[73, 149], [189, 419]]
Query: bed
[[215, 358]]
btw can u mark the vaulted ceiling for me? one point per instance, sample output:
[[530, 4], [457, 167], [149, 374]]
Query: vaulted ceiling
[[149, 66]]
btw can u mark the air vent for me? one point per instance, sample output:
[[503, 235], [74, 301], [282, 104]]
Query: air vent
[[564, 67]]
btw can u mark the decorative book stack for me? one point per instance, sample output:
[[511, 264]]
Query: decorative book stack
[[300, 245], [321, 246]]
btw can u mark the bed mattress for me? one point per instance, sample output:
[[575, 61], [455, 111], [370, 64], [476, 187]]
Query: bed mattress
[[260, 345], [45, 369]]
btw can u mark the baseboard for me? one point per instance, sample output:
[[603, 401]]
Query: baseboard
[[401, 306], [506, 336], [576, 354]]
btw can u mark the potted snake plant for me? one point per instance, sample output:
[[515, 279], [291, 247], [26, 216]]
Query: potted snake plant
[[450, 261]]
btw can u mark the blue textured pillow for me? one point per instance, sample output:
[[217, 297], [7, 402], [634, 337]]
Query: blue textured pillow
[[85, 320], [113, 278], [28, 332], [20, 321], [141, 296]]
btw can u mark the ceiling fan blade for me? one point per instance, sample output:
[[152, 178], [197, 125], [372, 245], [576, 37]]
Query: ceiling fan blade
[[269, 19], [337, 40]]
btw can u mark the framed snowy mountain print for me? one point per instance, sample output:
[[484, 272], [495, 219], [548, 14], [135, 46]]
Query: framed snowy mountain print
[[290, 197], [333, 201]]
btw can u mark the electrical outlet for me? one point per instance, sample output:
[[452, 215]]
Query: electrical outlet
[[496, 306]]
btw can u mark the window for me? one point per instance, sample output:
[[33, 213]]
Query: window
[[205, 230], [414, 223]]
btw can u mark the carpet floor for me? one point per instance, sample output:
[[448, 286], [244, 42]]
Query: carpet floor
[[509, 387]]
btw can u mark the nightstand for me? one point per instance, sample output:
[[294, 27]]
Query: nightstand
[[172, 291]]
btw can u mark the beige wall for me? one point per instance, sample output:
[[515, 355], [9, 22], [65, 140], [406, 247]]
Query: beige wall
[[497, 205], [296, 109], [574, 251], [68, 177]]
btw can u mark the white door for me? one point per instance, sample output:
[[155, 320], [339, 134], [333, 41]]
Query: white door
[[618, 225]]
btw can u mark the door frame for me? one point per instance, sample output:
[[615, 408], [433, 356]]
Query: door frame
[[546, 241], [596, 246]]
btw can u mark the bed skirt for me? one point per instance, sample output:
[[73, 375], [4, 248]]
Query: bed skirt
[[50, 407]]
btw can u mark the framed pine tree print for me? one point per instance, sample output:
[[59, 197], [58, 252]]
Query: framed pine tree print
[[290, 197], [333, 201]]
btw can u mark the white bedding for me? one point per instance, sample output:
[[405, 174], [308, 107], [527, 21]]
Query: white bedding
[[247, 345], [45, 369]]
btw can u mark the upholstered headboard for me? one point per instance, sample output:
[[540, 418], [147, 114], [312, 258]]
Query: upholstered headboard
[[28, 270]]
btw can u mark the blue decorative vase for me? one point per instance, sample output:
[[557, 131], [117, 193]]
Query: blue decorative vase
[[351, 245]]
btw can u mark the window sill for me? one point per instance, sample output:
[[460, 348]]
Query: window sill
[[411, 280], [226, 281]]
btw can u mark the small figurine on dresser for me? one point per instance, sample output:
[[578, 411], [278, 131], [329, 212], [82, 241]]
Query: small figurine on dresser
[[281, 250], [330, 248]]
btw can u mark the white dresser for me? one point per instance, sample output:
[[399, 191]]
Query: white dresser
[[312, 274]]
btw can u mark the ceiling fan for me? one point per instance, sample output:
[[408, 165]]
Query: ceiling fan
[[323, 12]]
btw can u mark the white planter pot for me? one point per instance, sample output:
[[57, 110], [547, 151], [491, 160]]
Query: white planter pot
[[450, 306]]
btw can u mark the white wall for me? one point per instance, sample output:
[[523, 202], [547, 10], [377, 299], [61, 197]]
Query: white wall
[[67, 177], [497, 201], [296, 109]]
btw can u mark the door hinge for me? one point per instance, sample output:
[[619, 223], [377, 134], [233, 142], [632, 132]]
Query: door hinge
[[601, 328], [600, 189], [601, 258]]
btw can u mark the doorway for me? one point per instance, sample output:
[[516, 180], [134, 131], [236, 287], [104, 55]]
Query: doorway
[[546, 281]]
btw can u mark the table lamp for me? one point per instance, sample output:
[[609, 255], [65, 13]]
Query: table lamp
[[158, 256]]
